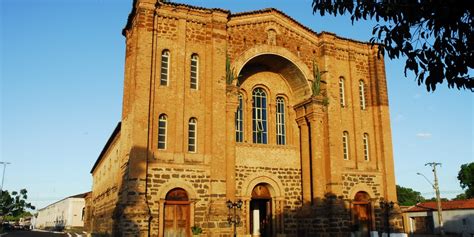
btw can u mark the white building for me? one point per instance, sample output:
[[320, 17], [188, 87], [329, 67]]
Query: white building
[[64, 214], [458, 218]]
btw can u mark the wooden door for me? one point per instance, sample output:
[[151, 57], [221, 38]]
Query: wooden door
[[177, 220], [177, 214], [362, 215]]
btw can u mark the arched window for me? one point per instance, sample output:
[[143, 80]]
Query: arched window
[[192, 135], [280, 121], [194, 71], [162, 122], [345, 145], [165, 66], [239, 121], [366, 146], [342, 95], [362, 94], [259, 116]]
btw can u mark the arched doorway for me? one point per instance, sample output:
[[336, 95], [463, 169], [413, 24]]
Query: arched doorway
[[177, 214], [261, 211], [362, 214]]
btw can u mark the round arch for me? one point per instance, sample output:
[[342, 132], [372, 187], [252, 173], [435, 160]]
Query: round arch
[[274, 185], [279, 60], [176, 183], [360, 187]]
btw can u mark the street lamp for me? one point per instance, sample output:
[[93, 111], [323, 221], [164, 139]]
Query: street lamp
[[4, 163], [387, 207], [233, 218], [438, 198]]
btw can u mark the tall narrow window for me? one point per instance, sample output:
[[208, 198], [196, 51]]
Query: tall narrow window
[[194, 71], [239, 121], [366, 146], [280, 121], [362, 94], [192, 135], [165, 59], [342, 92], [162, 120], [345, 145], [259, 116]]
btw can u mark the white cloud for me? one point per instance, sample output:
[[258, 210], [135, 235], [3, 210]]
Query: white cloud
[[423, 134]]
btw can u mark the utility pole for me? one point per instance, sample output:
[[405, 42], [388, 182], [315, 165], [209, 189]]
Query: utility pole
[[3, 176], [438, 198]]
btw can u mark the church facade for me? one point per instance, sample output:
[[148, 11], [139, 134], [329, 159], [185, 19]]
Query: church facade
[[252, 108]]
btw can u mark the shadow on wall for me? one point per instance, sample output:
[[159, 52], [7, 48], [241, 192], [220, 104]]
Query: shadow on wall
[[335, 216], [129, 215], [132, 214], [331, 216]]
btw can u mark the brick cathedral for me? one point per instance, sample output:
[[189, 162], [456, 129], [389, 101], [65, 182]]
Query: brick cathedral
[[248, 107]]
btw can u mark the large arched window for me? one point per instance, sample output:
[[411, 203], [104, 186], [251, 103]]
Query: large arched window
[[366, 146], [342, 95], [194, 71], [259, 116], [239, 121], [192, 135], [362, 94], [280, 121], [345, 145], [165, 66], [162, 122]]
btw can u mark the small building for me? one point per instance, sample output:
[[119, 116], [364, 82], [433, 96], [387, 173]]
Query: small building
[[67, 213], [458, 218]]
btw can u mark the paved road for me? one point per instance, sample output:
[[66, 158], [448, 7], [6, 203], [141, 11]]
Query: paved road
[[20, 233]]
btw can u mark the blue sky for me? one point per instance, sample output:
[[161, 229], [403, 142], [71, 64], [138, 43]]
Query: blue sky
[[62, 65]]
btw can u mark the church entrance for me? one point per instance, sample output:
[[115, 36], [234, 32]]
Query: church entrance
[[261, 211], [177, 214], [362, 214]]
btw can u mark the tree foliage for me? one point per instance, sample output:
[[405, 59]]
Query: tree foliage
[[466, 179], [436, 36], [14, 204], [461, 196], [408, 196]]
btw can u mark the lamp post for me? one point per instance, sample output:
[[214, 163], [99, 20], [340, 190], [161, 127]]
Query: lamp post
[[438, 196], [387, 207], [4, 163], [233, 218]]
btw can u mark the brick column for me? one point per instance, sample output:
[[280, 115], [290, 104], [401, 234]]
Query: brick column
[[305, 160], [231, 108], [318, 149]]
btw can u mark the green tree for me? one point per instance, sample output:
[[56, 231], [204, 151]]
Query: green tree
[[433, 199], [14, 204], [436, 36], [461, 196], [408, 196], [466, 179]]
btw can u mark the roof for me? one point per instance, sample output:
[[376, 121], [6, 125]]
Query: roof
[[448, 205], [107, 145], [182, 5], [81, 195], [230, 15]]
